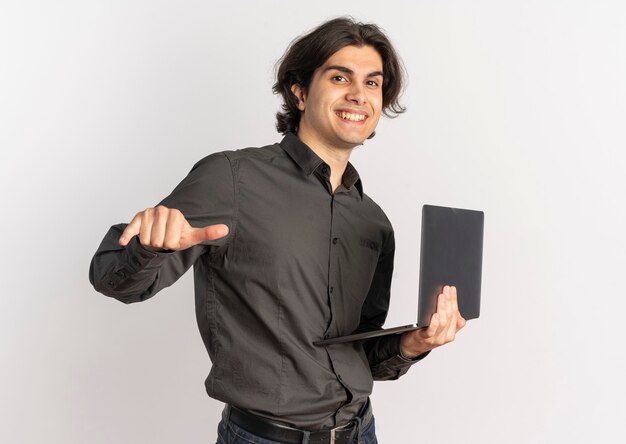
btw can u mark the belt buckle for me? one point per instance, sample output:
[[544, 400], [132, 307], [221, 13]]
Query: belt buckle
[[334, 430]]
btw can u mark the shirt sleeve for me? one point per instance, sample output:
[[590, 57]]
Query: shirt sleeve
[[383, 352], [134, 273]]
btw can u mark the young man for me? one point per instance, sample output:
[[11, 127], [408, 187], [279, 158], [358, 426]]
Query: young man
[[287, 249]]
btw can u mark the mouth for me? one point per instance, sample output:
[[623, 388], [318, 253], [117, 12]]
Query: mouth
[[352, 117]]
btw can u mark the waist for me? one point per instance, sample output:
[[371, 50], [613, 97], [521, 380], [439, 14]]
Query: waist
[[264, 428]]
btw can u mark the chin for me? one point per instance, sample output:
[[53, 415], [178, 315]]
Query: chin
[[355, 140]]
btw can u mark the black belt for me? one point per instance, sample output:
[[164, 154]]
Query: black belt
[[276, 432]]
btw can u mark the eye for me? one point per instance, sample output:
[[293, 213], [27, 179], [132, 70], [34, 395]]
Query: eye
[[339, 78], [373, 83]]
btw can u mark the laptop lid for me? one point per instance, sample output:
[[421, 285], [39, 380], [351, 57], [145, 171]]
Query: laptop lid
[[451, 253]]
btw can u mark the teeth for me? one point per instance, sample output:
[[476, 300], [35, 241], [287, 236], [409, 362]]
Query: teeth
[[353, 117]]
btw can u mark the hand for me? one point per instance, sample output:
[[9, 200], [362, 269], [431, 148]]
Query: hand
[[166, 228], [444, 325]]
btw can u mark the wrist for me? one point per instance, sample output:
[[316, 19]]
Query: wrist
[[409, 347]]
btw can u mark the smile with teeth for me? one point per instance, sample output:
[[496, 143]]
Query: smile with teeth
[[352, 117]]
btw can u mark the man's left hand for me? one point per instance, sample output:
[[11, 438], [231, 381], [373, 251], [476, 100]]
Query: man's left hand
[[444, 325]]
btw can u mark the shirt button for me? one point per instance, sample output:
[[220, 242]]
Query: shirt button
[[324, 169], [332, 288], [335, 240]]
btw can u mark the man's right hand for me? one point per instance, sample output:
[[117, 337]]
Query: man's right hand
[[166, 228]]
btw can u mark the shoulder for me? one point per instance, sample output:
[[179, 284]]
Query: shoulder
[[254, 154], [229, 159]]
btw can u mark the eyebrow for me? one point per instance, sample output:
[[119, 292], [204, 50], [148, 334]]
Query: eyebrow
[[349, 71]]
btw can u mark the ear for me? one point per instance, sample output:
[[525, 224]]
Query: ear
[[300, 93]]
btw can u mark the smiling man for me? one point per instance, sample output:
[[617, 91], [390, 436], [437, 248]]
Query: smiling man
[[287, 249]]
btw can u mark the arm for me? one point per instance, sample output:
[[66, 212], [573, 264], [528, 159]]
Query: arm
[[391, 356], [137, 260], [383, 353]]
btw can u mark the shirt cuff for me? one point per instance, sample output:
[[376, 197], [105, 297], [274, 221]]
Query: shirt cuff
[[415, 359], [140, 257], [396, 365]]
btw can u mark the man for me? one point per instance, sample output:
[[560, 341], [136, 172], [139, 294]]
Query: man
[[287, 249]]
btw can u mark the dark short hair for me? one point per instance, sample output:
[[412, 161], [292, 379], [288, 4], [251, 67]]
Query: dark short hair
[[308, 52]]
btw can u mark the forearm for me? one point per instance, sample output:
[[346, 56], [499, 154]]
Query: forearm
[[194, 219], [385, 357], [132, 273]]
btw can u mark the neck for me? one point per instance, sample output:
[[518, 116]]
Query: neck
[[336, 158]]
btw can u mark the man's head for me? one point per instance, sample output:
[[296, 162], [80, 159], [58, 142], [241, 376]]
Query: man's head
[[365, 48]]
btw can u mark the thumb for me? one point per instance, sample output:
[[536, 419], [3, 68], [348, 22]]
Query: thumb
[[208, 233]]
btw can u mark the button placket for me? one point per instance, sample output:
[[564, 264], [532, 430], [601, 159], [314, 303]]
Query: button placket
[[333, 255], [332, 258]]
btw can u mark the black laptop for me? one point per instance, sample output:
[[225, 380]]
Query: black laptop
[[451, 253]]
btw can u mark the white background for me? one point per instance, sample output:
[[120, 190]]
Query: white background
[[517, 108]]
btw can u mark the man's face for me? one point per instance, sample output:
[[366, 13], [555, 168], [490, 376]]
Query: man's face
[[342, 105]]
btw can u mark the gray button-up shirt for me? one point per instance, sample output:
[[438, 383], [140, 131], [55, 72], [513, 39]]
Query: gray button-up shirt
[[299, 263]]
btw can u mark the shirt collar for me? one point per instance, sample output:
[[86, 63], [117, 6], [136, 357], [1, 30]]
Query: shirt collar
[[308, 161]]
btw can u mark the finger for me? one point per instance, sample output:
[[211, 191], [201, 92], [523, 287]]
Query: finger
[[132, 229], [176, 224], [431, 330], [195, 236], [159, 225], [453, 313], [452, 327], [454, 300], [146, 227], [442, 311], [460, 321]]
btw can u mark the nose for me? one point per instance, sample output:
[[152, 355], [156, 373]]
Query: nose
[[356, 93]]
